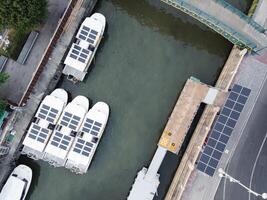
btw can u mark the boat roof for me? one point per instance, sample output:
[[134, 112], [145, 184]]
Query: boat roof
[[59, 144], [93, 126], [50, 109], [69, 122], [142, 188], [88, 35], [13, 188], [37, 137]]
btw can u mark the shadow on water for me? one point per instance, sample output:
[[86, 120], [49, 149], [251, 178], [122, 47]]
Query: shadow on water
[[170, 21], [171, 160], [35, 171]]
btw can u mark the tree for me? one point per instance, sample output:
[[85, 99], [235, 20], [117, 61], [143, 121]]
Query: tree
[[26, 14], [3, 105], [3, 77]]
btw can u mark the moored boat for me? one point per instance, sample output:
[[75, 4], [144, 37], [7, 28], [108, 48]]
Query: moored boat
[[88, 137], [83, 50], [18, 184], [43, 124], [65, 131]]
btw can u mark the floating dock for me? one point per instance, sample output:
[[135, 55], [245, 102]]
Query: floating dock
[[193, 94]]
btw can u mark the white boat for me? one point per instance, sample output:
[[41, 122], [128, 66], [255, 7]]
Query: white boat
[[18, 184], [65, 131], [84, 48], [86, 142], [44, 122]]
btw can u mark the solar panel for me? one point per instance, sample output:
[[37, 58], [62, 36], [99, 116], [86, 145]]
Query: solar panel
[[32, 136], [222, 129], [81, 60], [94, 32], [81, 141], [77, 150], [98, 124], [94, 133], [37, 133], [43, 111], [54, 143], [75, 52], [82, 37], [76, 118], [40, 140], [41, 116], [67, 114], [90, 41], [86, 28], [61, 141], [93, 37], [85, 51], [45, 107], [54, 110], [84, 32], [66, 119], [48, 113]]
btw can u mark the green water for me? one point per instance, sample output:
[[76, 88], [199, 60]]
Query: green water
[[148, 52]]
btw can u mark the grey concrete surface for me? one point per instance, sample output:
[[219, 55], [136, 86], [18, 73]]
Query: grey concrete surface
[[231, 20], [244, 159], [252, 74], [20, 75]]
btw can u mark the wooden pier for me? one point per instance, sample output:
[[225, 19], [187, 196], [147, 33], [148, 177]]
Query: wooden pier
[[183, 114]]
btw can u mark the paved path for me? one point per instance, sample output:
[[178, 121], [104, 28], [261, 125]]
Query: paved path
[[20, 75], [248, 163]]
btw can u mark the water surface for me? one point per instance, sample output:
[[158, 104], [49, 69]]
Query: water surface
[[148, 52]]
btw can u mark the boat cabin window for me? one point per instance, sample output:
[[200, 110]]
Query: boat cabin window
[[15, 175]]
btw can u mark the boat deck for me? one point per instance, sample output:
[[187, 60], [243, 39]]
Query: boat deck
[[193, 93]]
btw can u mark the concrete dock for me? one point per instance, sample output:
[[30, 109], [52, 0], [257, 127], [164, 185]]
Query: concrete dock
[[189, 159]]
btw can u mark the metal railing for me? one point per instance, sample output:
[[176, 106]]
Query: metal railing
[[229, 33]]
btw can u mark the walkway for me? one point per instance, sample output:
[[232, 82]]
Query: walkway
[[226, 20], [22, 116]]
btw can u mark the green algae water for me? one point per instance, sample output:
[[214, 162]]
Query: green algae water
[[148, 52]]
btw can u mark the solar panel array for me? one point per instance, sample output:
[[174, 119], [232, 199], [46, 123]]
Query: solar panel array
[[83, 147], [222, 129], [38, 133], [79, 53], [88, 35], [61, 141], [70, 120], [48, 113], [91, 126]]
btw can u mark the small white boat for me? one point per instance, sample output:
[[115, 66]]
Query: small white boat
[[84, 48], [65, 131], [44, 122], [86, 142], [18, 184]]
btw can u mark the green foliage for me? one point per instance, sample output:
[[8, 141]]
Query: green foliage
[[24, 14], [253, 8], [3, 77], [17, 39], [3, 105]]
